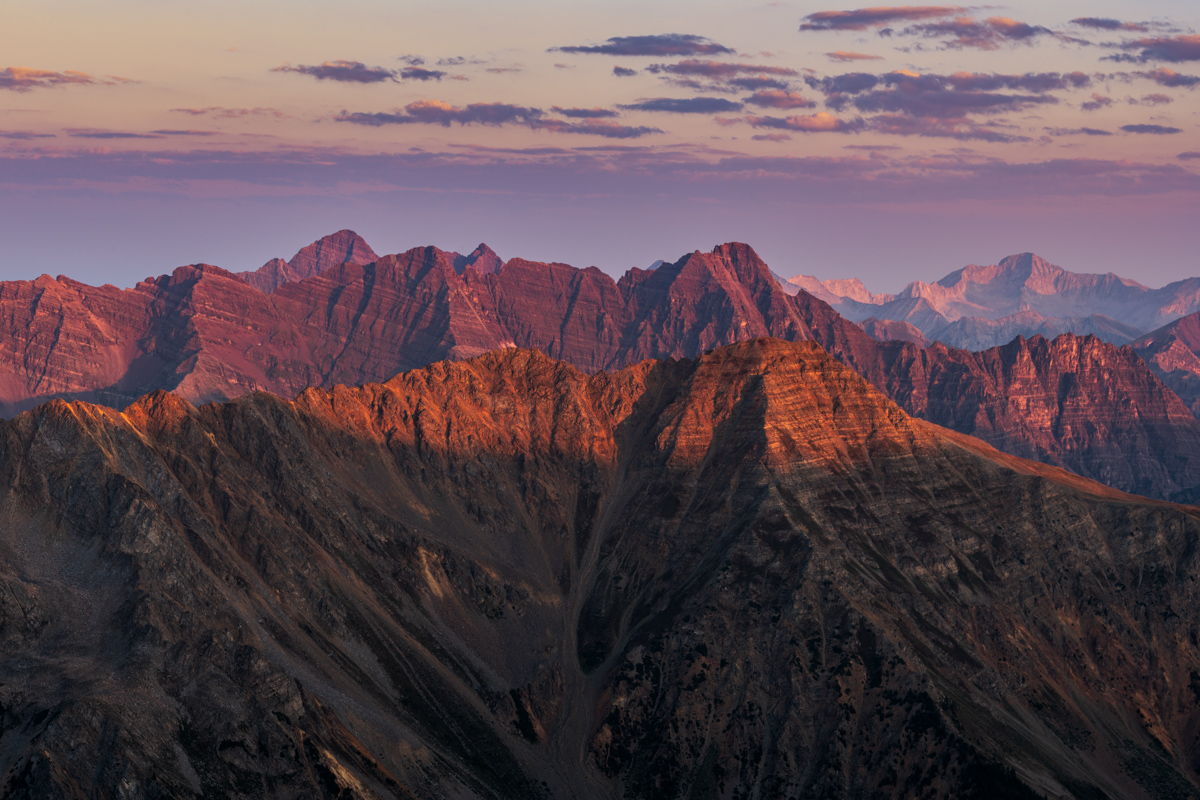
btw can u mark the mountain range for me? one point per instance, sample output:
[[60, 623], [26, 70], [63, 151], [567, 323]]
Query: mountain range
[[211, 335], [746, 574], [978, 307]]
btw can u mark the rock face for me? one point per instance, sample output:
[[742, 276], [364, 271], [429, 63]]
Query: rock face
[[1173, 352], [744, 575], [887, 330], [1075, 402], [980, 307], [204, 334], [343, 247]]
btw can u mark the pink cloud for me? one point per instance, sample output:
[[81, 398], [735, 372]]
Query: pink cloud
[[24, 79], [821, 122], [1163, 48], [779, 98]]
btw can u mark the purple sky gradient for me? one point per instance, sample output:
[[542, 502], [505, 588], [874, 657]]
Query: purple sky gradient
[[967, 136]]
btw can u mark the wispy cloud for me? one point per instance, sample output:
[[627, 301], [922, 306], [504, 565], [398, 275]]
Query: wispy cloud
[[343, 71], [584, 113], [685, 105], [436, 112], [719, 70], [1109, 24], [1077, 132], [1155, 99], [949, 96], [1165, 76], [609, 130], [92, 133], [24, 79], [666, 44], [821, 122], [178, 132], [988, 34], [1097, 102], [860, 19], [960, 128], [1156, 129], [1161, 48], [849, 55], [779, 99], [722, 76], [417, 73], [939, 96], [222, 112], [24, 135]]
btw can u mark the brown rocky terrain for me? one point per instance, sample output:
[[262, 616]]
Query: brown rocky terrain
[[745, 575], [203, 333], [1173, 352]]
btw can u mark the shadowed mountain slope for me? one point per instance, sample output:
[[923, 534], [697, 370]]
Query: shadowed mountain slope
[[745, 575]]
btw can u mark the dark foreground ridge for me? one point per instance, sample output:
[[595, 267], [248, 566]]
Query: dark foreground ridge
[[745, 575]]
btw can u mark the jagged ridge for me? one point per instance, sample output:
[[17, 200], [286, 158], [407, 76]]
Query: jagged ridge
[[506, 578], [204, 334]]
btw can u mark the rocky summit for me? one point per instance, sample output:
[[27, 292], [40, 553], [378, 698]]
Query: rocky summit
[[748, 574]]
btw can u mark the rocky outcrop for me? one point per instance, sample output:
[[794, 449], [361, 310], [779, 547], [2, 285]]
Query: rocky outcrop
[[343, 247], [504, 578], [1173, 352]]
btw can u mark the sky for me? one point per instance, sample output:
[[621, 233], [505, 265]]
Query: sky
[[889, 143]]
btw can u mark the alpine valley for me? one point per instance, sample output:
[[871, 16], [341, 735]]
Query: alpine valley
[[433, 525]]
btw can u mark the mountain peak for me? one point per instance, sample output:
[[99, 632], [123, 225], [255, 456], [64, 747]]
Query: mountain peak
[[342, 247], [482, 259]]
